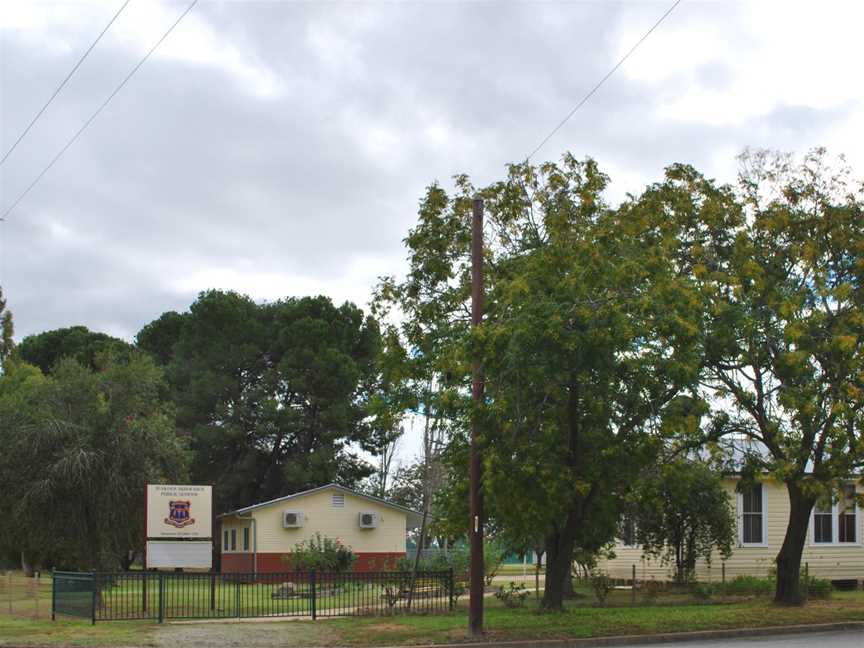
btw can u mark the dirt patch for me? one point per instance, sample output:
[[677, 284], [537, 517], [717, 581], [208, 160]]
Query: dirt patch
[[263, 635]]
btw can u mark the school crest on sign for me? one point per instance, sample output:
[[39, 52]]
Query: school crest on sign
[[179, 513]]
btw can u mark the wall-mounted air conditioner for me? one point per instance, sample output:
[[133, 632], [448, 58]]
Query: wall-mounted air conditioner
[[292, 519], [368, 520]]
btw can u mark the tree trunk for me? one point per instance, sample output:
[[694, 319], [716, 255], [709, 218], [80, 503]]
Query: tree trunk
[[789, 559], [559, 557]]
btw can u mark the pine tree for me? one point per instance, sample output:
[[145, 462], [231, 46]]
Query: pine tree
[[6, 330]]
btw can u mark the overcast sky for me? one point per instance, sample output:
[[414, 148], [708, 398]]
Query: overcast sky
[[280, 148]]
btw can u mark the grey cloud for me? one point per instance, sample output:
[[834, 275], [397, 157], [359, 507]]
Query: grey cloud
[[191, 169]]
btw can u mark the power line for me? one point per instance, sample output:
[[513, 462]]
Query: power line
[[63, 83], [602, 81], [98, 110]]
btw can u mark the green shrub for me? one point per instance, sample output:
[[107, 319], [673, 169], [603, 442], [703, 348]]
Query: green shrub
[[321, 553], [817, 588], [752, 585], [601, 584], [703, 591], [651, 590], [513, 595]]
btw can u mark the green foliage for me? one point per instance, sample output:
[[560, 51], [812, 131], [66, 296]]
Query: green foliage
[[818, 588], [275, 397], [7, 330], [88, 348], [753, 585], [513, 595], [78, 447], [588, 338], [601, 585], [323, 554], [780, 269], [683, 513], [703, 591]]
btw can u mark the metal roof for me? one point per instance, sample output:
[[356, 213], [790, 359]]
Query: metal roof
[[411, 513]]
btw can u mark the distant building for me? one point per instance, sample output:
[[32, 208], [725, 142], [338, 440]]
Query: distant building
[[259, 538]]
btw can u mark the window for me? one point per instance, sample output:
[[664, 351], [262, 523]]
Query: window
[[225, 540], [233, 539], [835, 520], [822, 522], [847, 520], [245, 538], [753, 515], [338, 500], [627, 531]]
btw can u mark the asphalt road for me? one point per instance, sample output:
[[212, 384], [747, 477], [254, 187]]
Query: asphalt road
[[844, 639]]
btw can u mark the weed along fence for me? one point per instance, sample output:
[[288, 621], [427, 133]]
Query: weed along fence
[[160, 596]]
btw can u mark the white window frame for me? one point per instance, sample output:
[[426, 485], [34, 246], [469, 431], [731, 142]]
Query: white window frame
[[740, 511], [835, 527]]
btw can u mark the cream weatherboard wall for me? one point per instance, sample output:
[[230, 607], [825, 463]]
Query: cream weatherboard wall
[[332, 512], [831, 561]]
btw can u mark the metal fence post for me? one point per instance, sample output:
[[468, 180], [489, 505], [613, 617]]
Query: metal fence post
[[312, 593], [237, 595], [633, 587], [53, 593], [451, 590], [806, 581], [92, 598], [161, 597]]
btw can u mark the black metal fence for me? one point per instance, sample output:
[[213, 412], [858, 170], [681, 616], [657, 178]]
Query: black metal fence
[[158, 596]]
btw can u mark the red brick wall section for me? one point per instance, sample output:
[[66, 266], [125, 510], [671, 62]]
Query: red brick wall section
[[273, 562]]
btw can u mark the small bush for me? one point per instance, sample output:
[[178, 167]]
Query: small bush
[[651, 590], [703, 591], [321, 553], [818, 588], [753, 585], [513, 595], [601, 584]]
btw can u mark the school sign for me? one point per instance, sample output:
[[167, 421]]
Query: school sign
[[177, 512]]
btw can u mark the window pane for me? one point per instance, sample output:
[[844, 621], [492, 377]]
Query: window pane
[[628, 531], [822, 528], [225, 546], [752, 528], [233, 539], [847, 528], [752, 499]]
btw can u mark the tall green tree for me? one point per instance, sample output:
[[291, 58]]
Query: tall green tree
[[78, 447], [275, 397], [682, 513], [591, 332], [7, 330], [782, 280], [45, 350]]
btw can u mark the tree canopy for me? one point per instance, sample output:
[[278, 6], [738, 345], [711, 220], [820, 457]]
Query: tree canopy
[[781, 279], [45, 350], [682, 513], [591, 332], [276, 397], [78, 447]]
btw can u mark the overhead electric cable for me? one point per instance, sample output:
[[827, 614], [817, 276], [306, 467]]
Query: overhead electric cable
[[63, 83], [98, 110], [602, 81]]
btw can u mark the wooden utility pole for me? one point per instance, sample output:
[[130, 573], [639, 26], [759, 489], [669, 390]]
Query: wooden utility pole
[[475, 605]]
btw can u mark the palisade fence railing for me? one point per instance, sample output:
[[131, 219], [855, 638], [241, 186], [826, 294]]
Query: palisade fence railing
[[160, 596]]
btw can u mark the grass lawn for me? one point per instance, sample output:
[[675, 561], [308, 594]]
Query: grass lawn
[[29, 622]]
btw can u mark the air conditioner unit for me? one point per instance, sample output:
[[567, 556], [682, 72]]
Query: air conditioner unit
[[292, 519], [368, 520]]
